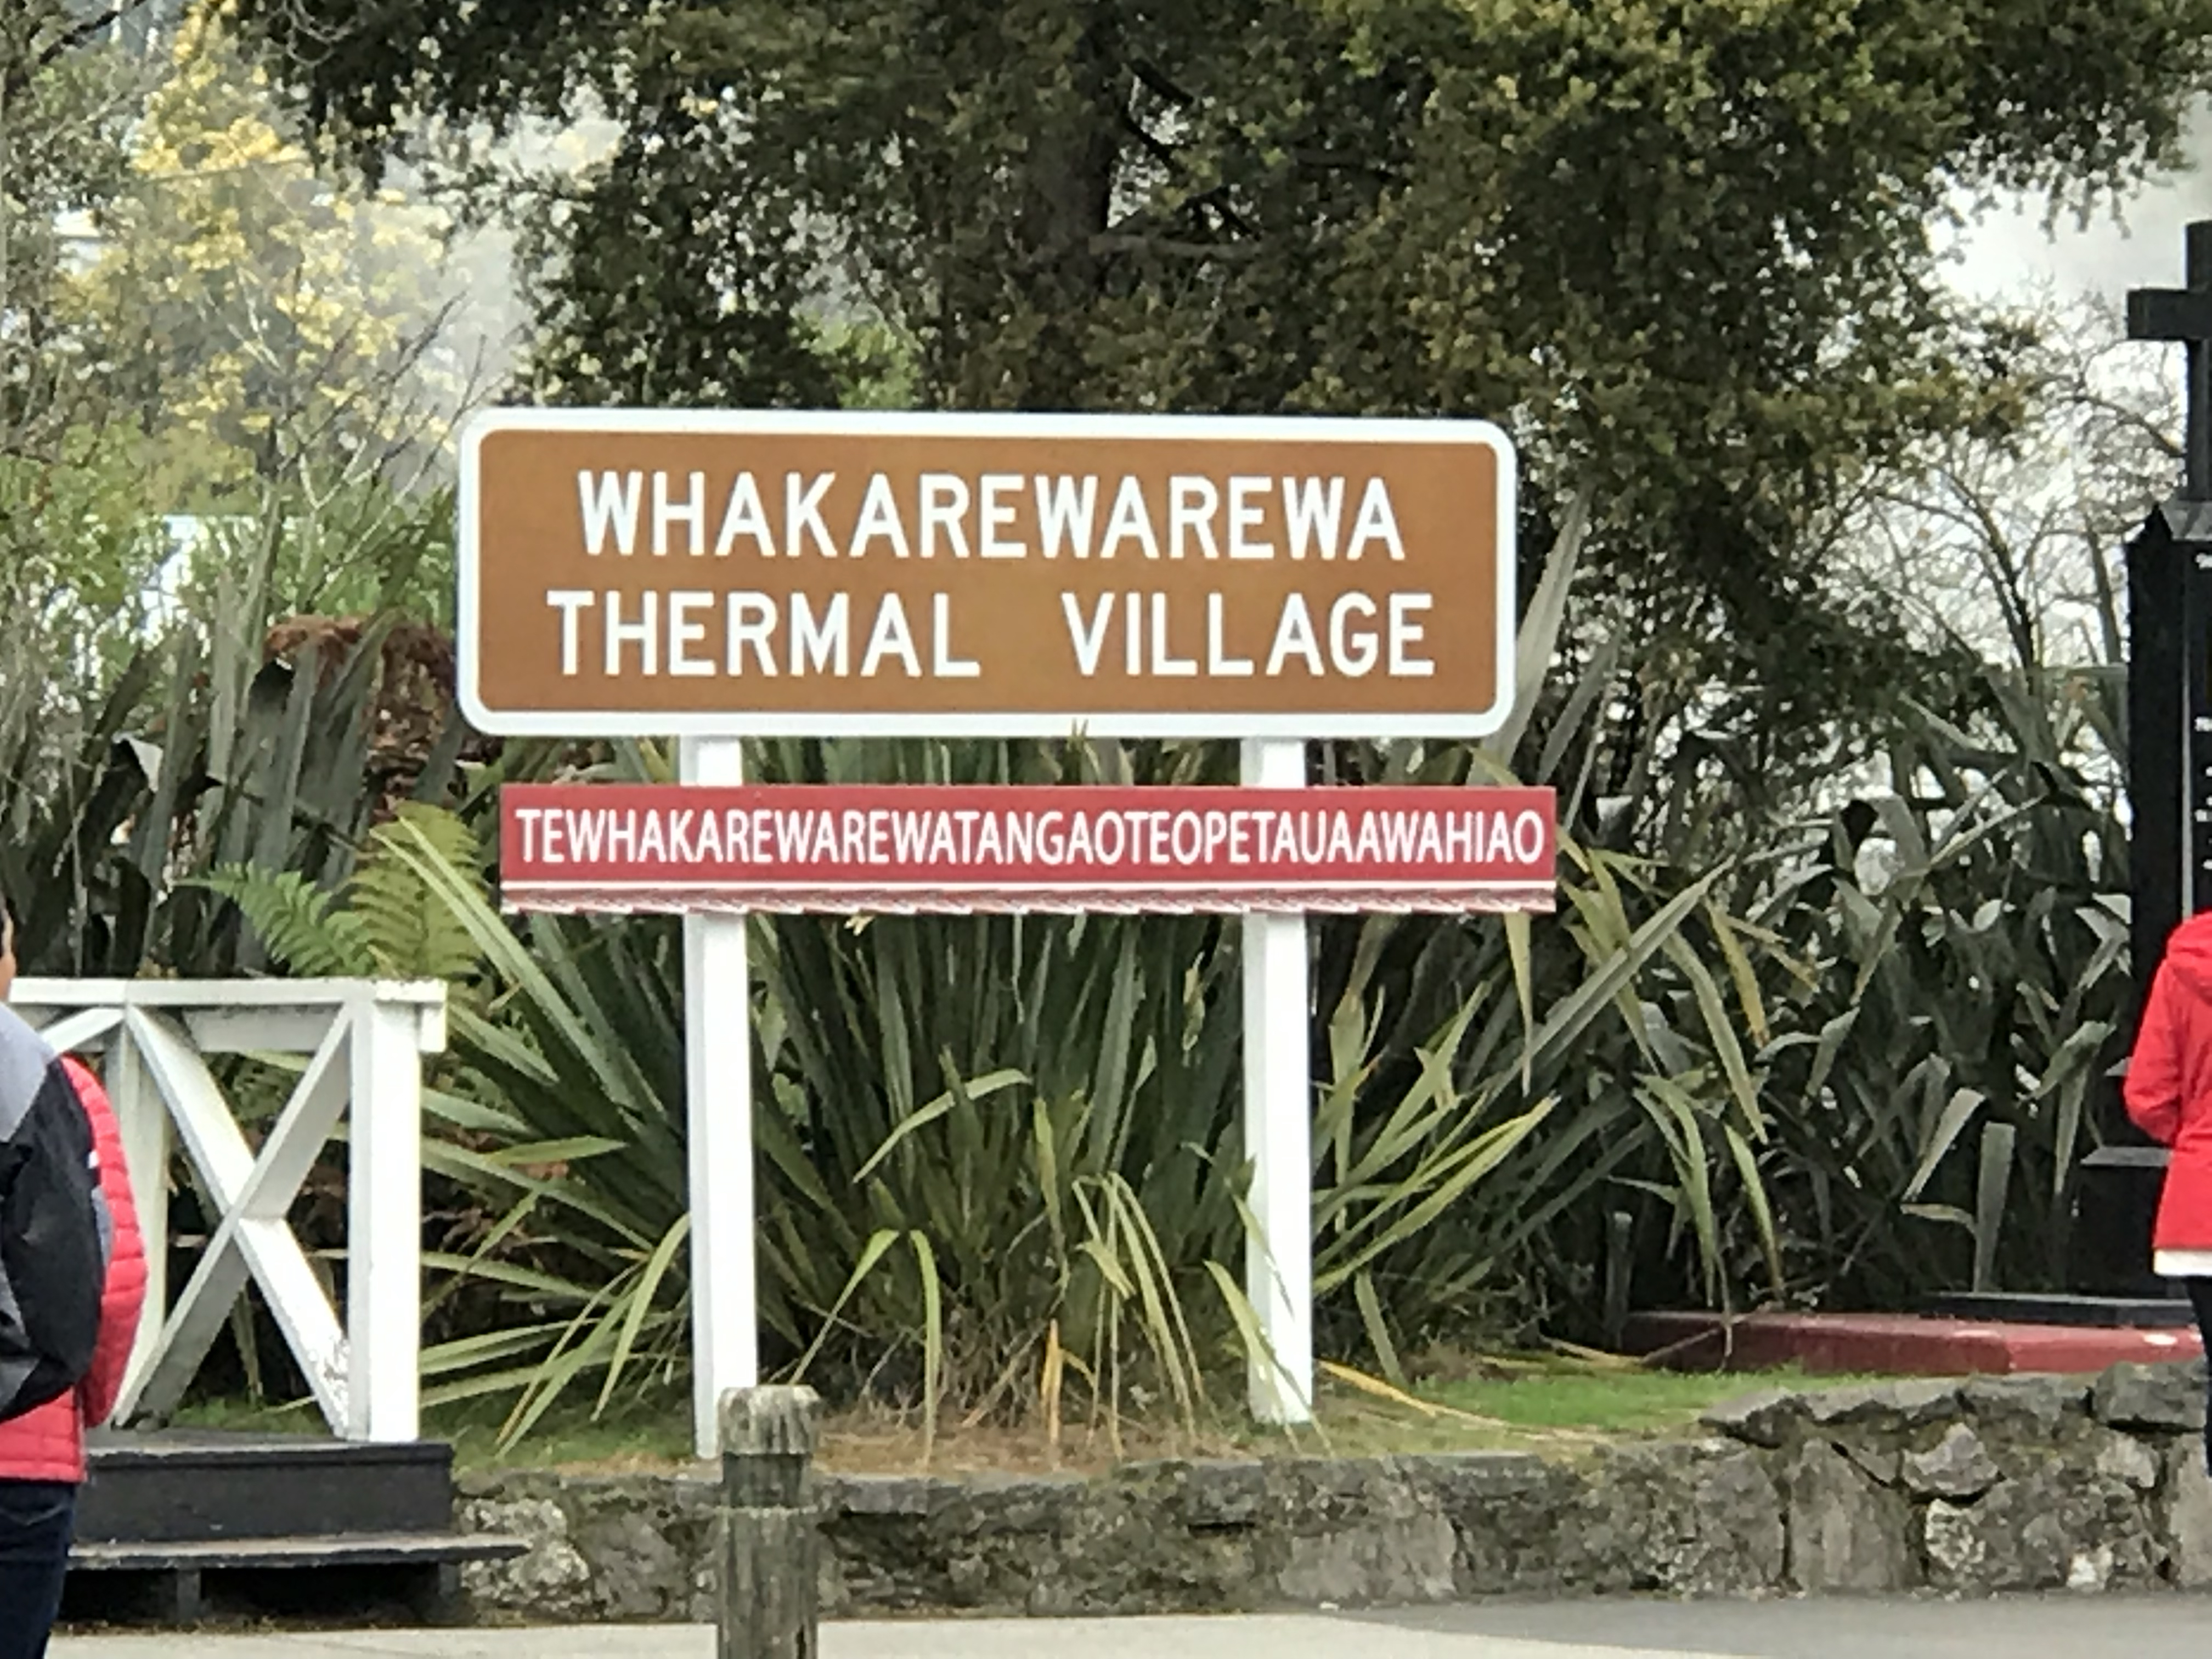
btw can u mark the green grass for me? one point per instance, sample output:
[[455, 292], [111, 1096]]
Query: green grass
[[1546, 1407], [654, 1432], [1637, 1403]]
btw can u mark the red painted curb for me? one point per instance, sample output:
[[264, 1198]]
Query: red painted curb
[[1903, 1344]]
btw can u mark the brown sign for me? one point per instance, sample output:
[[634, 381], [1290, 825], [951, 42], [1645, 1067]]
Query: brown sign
[[711, 573]]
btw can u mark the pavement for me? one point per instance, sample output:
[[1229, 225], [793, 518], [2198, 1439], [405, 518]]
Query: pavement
[[2151, 1626]]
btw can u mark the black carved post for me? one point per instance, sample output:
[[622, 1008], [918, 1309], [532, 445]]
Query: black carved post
[[766, 1593], [2158, 851], [2166, 662], [2169, 753]]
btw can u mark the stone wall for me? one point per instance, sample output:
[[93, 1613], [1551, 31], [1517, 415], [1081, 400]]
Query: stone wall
[[1970, 1487]]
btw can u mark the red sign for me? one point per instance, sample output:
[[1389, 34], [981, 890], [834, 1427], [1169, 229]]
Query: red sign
[[908, 847]]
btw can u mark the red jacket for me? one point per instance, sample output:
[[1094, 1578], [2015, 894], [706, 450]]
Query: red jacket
[[48, 1444]]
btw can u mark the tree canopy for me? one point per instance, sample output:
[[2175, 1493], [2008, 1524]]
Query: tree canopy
[[1685, 248]]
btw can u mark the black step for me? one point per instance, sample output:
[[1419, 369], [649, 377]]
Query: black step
[[190, 1486], [176, 1524], [2104, 1312], [354, 1550], [324, 1578]]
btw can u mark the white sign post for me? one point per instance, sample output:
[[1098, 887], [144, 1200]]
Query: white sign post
[[718, 1121], [1279, 1129]]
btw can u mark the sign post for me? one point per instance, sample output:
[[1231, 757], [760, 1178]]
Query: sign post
[[718, 1087], [1279, 1129], [715, 575]]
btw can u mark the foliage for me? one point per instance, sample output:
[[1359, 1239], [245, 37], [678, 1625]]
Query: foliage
[[1839, 968], [1687, 250], [191, 323], [2008, 550], [390, 925], [75, 551], [63, 108], [282, 763], [1961, 999], [281, 344], [148, 363], [1002, 1151]]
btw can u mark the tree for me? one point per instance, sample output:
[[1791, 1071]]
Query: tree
[[2014, 548], [191, 323], [1684, 249], [74, 558], [280, 341]]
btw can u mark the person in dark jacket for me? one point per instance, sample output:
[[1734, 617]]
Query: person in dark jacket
[[42, 1461]]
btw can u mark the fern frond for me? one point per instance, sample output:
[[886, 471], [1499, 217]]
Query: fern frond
[[410, 932], [298, 923]]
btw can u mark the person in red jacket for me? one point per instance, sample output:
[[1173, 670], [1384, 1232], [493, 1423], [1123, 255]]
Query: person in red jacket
[[2169, 1095], [42, 1460]]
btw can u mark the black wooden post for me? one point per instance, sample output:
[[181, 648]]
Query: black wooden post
[[2169, 757], [2169, 674], [768, 1556], [2158, 749]]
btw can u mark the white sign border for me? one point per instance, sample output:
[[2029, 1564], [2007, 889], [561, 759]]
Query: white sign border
[[892, 723]]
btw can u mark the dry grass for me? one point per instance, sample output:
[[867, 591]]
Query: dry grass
[[1549, 1406]]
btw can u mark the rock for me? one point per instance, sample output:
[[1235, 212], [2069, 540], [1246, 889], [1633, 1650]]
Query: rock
[[1845, 1533], [1403, 1562], [2042, 1404], [1882, 1465], [651, 1544], [1763, 1418], [877, 1494], [2031, 1533], [552, 1581], [1363, 1533], [1482, 1477], [1885, 1408], [2091, 1572], [2169, 1396], [1698, 1518], [1218, 1495], [638, 1575], [1510, 1511], [2123, 1458], [1953, 1542], [1957, 1466], [1997, 1485], [2185, 1515], [1003, 1505]]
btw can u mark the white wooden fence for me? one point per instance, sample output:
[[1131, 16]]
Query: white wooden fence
[[363, 1042]]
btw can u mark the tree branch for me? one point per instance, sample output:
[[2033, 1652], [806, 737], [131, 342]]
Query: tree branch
[[79, 34], [1174, 247], [1154, 78]]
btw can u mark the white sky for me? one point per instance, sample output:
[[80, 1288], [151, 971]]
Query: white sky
[[2011, 253]]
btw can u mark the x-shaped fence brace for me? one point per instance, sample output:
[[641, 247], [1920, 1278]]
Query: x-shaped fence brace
[[364, 1040]]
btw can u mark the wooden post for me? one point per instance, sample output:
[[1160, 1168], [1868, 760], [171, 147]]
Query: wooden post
[[384, 1223], [766, 1592]]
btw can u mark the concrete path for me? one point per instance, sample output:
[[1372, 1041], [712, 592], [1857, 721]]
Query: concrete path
[[1288, 1637], [1283, 1637], [2145, 1627], [2149, 1626]]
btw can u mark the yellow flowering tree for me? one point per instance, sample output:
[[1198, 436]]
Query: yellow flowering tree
[[75, 554], [280, 338]]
